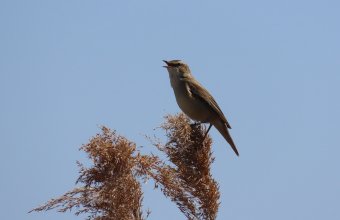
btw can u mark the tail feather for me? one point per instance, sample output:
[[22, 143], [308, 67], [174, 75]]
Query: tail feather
[[222, 128]]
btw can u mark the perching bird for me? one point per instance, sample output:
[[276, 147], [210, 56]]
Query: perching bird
[[195, 101]]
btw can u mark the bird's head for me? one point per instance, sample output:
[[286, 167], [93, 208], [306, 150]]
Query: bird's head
[[177, 67]]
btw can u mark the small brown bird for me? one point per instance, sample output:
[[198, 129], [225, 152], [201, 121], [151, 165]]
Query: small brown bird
[[195, 101]]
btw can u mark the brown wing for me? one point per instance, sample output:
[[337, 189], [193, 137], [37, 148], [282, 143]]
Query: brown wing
[[199, 92]]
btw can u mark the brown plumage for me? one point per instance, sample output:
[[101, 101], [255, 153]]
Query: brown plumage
[[195, 101]]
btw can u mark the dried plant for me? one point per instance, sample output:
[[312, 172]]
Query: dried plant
[[111, 188], [188, 181]]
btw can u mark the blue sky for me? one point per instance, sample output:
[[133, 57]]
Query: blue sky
[[67, 67]]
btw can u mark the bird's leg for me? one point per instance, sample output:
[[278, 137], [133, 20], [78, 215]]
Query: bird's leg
[[206, 133]]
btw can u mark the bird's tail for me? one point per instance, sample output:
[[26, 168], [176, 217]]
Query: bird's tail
[[222, 128]]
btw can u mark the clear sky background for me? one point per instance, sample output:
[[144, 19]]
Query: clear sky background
[[69, 66]]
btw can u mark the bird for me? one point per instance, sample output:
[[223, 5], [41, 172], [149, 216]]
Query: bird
[[195, 101]]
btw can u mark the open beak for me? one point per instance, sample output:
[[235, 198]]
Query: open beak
[[167, 64]]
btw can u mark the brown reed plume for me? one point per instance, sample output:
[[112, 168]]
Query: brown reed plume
[[188, 181], [111, 188]]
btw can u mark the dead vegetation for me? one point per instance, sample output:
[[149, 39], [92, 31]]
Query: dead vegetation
[[111, 188]]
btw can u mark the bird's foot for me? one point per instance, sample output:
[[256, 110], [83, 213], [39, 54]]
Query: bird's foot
[[195, 124]]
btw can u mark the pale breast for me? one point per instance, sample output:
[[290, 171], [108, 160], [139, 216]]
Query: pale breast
[[192, 107]]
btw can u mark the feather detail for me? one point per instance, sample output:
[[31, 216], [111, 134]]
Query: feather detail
[[199, 92]]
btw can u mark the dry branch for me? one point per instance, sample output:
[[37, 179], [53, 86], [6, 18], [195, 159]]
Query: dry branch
[[111, 188], [188, 181]]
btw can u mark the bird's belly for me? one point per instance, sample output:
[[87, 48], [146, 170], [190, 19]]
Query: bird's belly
[[193, 108]]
